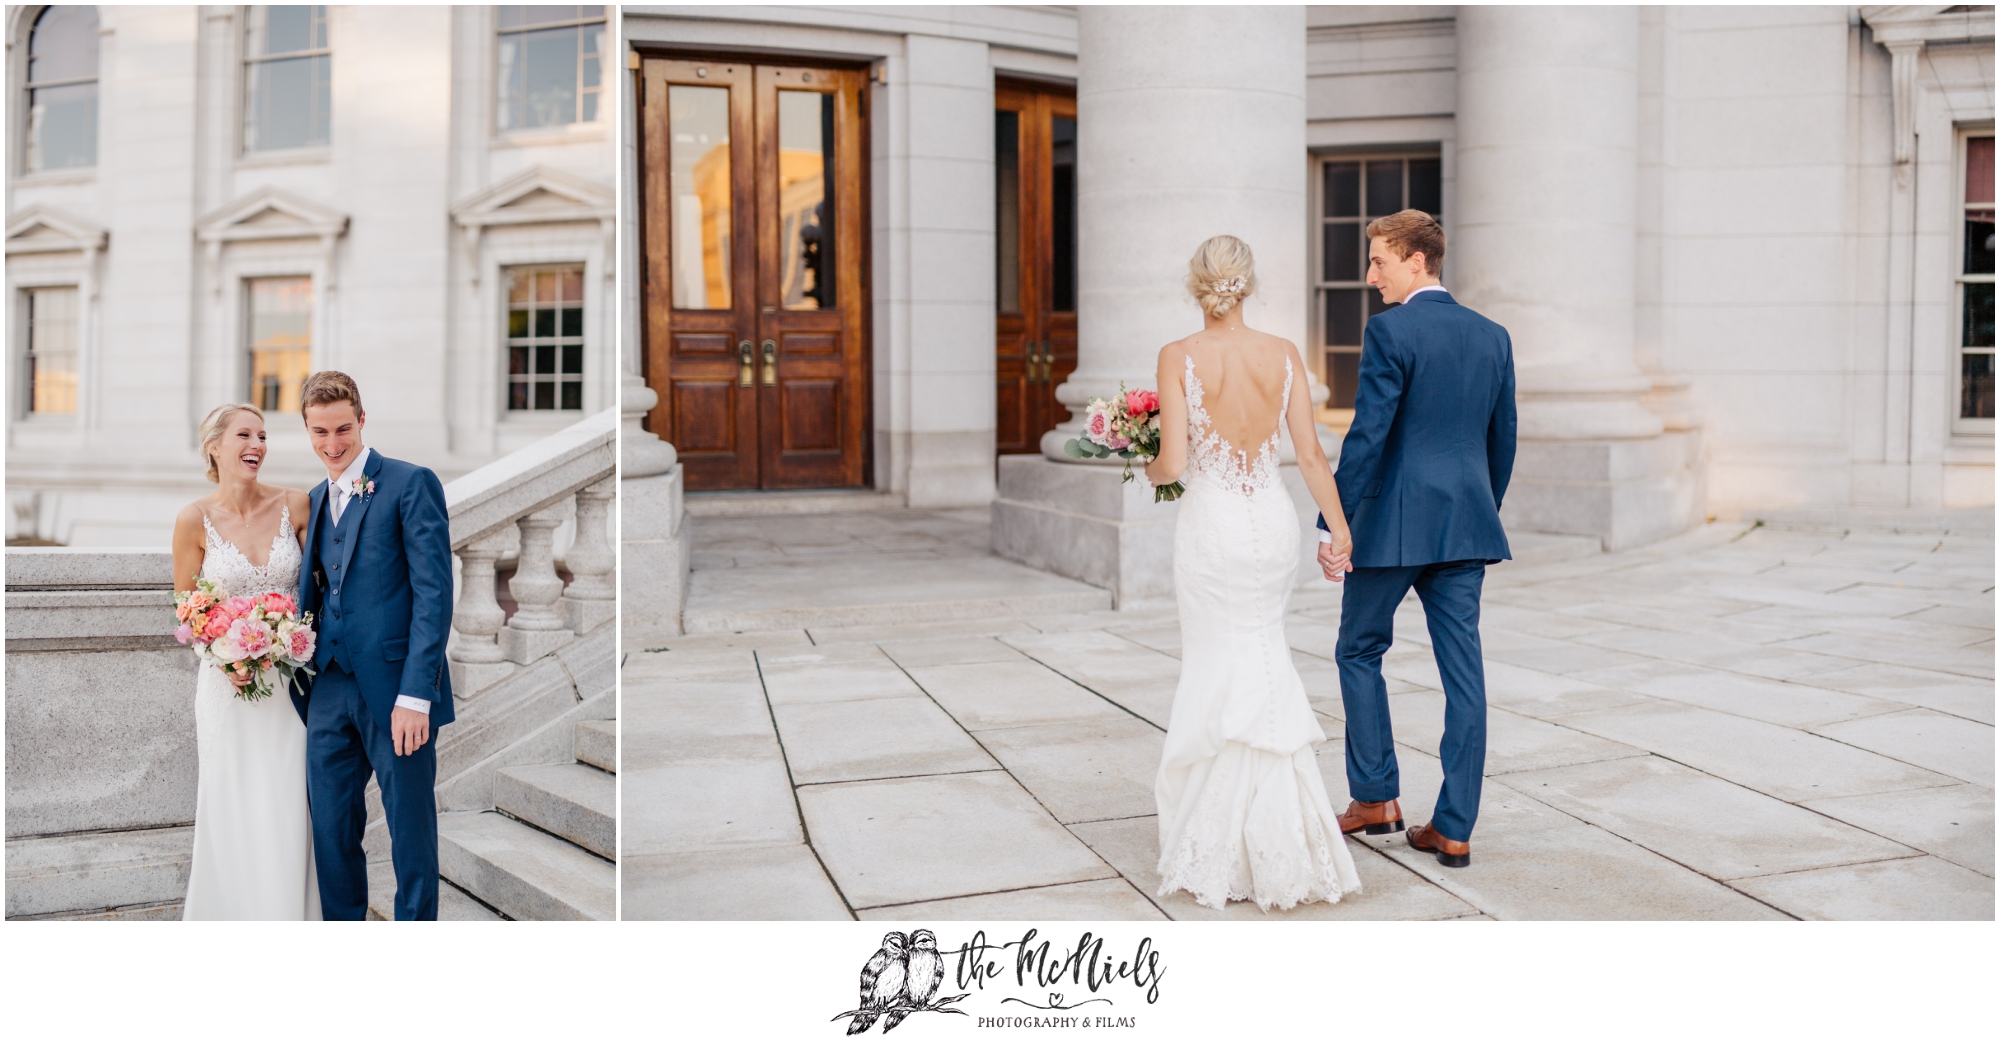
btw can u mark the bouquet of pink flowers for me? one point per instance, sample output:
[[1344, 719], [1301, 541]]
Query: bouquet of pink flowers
[[1127, 426], [262, 637]]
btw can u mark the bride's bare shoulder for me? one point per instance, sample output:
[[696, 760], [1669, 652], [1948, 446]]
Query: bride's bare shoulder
[[190, 515]]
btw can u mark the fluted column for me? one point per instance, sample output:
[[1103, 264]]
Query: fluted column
[[1545, 242], [1191, 122]]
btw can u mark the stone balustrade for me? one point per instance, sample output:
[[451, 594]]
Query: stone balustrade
[[518, 503]]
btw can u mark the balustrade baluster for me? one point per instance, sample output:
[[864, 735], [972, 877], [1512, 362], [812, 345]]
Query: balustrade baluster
[[591, 599], [475, 654], [536, 629]]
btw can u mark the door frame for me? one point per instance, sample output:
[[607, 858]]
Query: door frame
[[1037, 258], [655, 272]]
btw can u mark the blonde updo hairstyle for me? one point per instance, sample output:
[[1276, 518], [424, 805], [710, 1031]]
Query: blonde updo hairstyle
[[212, 429], [1221, 273]]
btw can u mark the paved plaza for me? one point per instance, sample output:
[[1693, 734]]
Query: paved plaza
[[1738, 723]]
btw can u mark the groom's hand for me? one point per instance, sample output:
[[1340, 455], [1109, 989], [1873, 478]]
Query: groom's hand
[[409, 729]]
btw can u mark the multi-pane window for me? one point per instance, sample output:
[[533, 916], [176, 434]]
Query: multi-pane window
[[280, 335], [1354, 192], [551, 65], [545, 338], [51, 362], [62, 89], [1975, 283], [287, 79]]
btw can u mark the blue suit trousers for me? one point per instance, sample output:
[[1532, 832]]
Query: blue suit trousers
[[1450, 595], [344, 744]]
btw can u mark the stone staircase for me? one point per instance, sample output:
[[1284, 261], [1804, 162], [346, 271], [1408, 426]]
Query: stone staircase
[[545, 851]]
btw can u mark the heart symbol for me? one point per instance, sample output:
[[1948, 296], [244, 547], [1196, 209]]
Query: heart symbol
[[1055, 1001]]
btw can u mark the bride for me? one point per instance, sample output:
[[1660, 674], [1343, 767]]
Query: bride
[[1244, 813], [252, 829]]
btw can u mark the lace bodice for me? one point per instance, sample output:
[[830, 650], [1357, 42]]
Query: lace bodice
[[1210, 454], [230, 568]]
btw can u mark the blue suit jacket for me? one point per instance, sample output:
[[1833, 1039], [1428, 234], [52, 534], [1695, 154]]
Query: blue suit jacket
[[396, 592], [1426, 463]]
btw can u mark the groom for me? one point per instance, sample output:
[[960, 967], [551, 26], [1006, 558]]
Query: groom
[[378, 581], [1421, 475]]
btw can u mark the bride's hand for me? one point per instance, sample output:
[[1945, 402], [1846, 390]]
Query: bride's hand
[[239, 676], [1336, 559]]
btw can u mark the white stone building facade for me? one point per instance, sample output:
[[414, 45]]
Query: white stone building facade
[[1744, 252], [204, 203]]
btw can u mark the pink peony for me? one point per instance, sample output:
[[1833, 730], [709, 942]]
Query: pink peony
[[216, 626], [302, 644], [1098, 426], [275, 603], [255, 636], [1139, 402], [184, 633], [238, 606]]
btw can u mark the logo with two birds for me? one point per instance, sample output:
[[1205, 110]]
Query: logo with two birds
[[900, 979]]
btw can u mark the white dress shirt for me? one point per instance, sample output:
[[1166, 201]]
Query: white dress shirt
[[340, 492], [1327, 536]]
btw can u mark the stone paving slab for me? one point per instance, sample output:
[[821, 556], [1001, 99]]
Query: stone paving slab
[[1105, 900], [1723, 830], [1947, 744], [758, 883], [930, 838], [1912, 889], [1954, 823], [1388, 891], [1084, 771], [1513, 742], [879, 737], [1790, 764], [1786, 704], [990, 696], [1584, 873], [1733, 723]]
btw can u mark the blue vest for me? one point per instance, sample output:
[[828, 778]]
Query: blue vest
[[331, 541]]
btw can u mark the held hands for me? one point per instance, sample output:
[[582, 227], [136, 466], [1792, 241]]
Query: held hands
[[409, 729], [1336, 559]]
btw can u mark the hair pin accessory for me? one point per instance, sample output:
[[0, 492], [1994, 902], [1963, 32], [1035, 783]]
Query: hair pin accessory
[[1227, 285]]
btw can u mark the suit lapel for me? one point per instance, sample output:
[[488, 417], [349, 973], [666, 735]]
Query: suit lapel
[[359, 512], [317, 497]]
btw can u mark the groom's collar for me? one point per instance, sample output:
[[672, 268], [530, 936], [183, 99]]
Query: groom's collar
[[1426, 291], [363, 465]]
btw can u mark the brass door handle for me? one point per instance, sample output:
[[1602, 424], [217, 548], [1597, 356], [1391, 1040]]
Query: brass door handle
[[770, 363], [1048, 362], [746, 356], [1034, 359]]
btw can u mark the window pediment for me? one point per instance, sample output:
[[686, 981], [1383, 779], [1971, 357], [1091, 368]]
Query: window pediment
[[270, 213], [44, 229], [1929, 23], [538, 195]]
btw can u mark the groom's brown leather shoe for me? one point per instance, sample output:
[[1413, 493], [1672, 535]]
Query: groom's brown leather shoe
[[1449, 852], [1375, 818]]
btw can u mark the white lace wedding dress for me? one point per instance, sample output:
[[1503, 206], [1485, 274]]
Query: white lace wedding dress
[[253, 857], [1244, 813]]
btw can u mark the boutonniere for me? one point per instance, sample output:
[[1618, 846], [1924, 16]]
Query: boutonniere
[[364, 487]]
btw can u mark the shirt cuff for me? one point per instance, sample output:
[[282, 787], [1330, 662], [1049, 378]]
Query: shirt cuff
[[1325, 535], [413, 704]]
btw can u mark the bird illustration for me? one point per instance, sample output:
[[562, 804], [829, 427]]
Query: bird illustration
[[925, 971], [882, 981]]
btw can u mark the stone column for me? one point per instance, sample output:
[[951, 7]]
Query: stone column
[[652, 526], [1190, 123], [1545, 243], [591, 599]]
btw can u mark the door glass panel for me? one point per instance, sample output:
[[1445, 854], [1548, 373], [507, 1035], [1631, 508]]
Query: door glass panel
[[805, 199], [699, 184], [1062, 207], [1007, 216]]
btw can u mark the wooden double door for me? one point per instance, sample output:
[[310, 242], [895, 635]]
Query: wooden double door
[[751, 189], [1035, 262]]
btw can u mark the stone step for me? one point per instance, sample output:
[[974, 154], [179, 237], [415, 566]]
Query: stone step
[[769, 504], [574, 801], [453, 903], [597, 744], [525, 874]]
